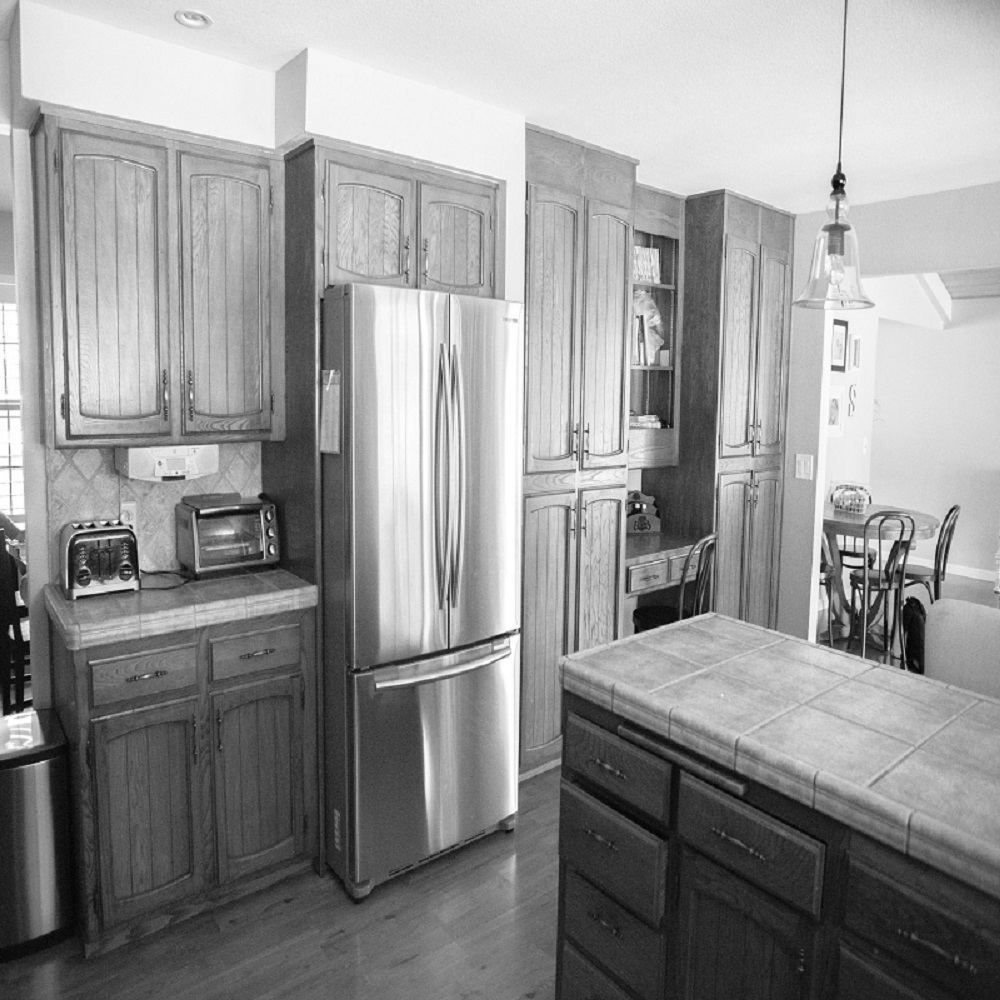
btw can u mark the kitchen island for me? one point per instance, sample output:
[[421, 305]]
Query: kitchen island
[[755, 809], [191, 719]]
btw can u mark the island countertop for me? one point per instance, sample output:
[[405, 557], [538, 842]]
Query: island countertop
[[104, 618], [909, 761]]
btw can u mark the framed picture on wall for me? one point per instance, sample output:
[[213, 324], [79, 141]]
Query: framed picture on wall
[[854, 351], [838, 346], [835, 414]]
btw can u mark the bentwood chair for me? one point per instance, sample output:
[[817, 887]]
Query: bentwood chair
[[931, 576], [888, 534], [695, 595], [13, 649], [826, 582]]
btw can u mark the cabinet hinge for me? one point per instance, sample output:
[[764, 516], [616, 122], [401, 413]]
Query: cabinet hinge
[[322, 260], [491, 222], [56, 161], [302, 697], [272, 402], [270, 199], [527, 208], [63, 408]]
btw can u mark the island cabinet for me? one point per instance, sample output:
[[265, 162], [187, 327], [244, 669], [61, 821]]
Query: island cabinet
[[193, 758], [577, 317], [161, 285]]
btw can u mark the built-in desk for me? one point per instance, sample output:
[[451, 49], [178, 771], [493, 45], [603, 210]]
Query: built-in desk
[[653, 562]]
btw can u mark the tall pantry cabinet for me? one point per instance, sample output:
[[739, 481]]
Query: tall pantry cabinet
[[578, 313], [737, 304]]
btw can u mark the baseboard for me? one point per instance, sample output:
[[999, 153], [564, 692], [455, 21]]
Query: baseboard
[[967, 571]]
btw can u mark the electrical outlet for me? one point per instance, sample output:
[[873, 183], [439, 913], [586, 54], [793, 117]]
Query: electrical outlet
[[128, 513]]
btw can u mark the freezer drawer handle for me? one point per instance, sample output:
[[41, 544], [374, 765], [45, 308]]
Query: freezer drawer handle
[[258, 652], [444, 673]]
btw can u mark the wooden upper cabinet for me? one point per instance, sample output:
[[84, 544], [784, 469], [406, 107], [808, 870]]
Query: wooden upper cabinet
[[607, 319], [772, 351], [456, 239], [226, 291], [554, 322], [739, 342], [370, 232], [113, 348]]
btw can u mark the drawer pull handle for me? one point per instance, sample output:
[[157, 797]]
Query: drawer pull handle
[[610, 768], [599, 918], [736, 842], [152, 675], [914, 938], [257, 652], [603, 841]]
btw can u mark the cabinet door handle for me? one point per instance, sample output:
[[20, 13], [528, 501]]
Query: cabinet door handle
[[961, 963], [599, 918], [586, 440], [609, 768], [736, 842], [258, 652], [190, 394], [152, 675], [194, 737], [218, 728], [575, 447], [601, 839], [427, 255], [166, 396], [406, 270]]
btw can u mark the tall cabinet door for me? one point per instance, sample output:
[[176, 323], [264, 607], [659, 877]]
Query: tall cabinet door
[[369, 227], [553, 325], [548, 627], [258, 775], [772, 347], [148, 800], [456, 240], [732, 524], [115, 295], [739, 344], [607, 320], [761, 590], [599, 594], [226, 291]]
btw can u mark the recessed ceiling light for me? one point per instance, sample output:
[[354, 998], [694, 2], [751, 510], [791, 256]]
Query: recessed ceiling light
[[192, 19]]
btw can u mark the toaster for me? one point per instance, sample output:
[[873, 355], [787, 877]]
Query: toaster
[[98, 557]]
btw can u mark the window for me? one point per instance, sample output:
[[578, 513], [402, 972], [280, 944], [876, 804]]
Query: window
[[11, 447]]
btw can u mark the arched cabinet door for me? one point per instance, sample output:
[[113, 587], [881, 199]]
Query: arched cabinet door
[[457, 239]]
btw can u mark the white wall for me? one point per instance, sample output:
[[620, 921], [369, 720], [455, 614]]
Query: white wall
[[936, 433]]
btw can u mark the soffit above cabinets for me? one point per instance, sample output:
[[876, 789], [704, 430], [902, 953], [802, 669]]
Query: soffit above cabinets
[[981, 283]]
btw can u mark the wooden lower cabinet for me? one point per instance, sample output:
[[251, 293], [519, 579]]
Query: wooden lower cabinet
[[194, 769]]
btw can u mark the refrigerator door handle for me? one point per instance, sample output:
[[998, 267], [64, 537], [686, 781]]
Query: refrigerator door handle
[[442, 475], [458, 453], [443, 673]]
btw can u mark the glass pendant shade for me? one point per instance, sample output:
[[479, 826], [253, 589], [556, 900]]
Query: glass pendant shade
[[835, 272]]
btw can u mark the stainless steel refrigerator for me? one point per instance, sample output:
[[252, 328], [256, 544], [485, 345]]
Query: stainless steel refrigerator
[[421, 437]]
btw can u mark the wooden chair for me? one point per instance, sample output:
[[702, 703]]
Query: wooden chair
[[13, 649], [889, 535], [826, 582], [931, 576], [695, 595]]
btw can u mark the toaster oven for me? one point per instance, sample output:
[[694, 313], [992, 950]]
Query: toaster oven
[[217, 532], [98, 557]]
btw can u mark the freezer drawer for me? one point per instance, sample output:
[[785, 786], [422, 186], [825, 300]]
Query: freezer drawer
[[435, 751]]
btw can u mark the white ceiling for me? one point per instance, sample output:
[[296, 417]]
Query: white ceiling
[[704, 93]]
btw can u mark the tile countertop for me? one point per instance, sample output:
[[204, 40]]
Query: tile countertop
[[92, 621], [909, 761]]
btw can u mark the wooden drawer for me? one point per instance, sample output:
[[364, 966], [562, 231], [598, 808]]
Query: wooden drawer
[[861, 976], [613, 937], [139, 675], [581, 979], [251, 652], [615, 765], [625, 860], [762, 849], [655, 575], [948, 932]]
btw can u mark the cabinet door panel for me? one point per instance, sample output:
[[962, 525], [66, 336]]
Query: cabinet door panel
[[771, 349], [114, 215], [548, 631], [730, 552], [607, 321], [369, 227], [456, 240], [258, 776], [738, 348], [226, 288], [553, 320], [150, 843], [602, 520], [762, 571]]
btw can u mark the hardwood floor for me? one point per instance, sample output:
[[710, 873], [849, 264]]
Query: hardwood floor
[[478, 923]]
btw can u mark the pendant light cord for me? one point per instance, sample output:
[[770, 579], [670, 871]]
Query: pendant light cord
[[843, 73]]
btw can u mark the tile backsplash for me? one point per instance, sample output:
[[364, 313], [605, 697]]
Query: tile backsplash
[[83, 485]]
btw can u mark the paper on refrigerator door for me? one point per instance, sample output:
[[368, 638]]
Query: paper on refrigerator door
[[329, 414]]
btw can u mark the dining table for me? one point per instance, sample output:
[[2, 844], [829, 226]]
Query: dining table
[[851, 523]]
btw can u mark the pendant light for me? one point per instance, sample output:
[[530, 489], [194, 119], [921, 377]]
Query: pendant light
[[835, 274]]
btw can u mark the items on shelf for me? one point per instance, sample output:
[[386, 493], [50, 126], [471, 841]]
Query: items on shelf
[[647, 325], [645, 264], [645, 420], [641, 513]]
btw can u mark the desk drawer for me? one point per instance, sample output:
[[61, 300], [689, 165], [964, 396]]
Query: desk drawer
[[618, 767], [655, 575], [139, 675], [762, 849], [625, 860], [266, 649], [614, 937]]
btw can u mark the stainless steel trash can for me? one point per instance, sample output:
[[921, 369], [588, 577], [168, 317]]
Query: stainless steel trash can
[[36, 895]]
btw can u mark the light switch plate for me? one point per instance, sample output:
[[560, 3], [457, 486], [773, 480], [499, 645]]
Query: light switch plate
[[803, 466]]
